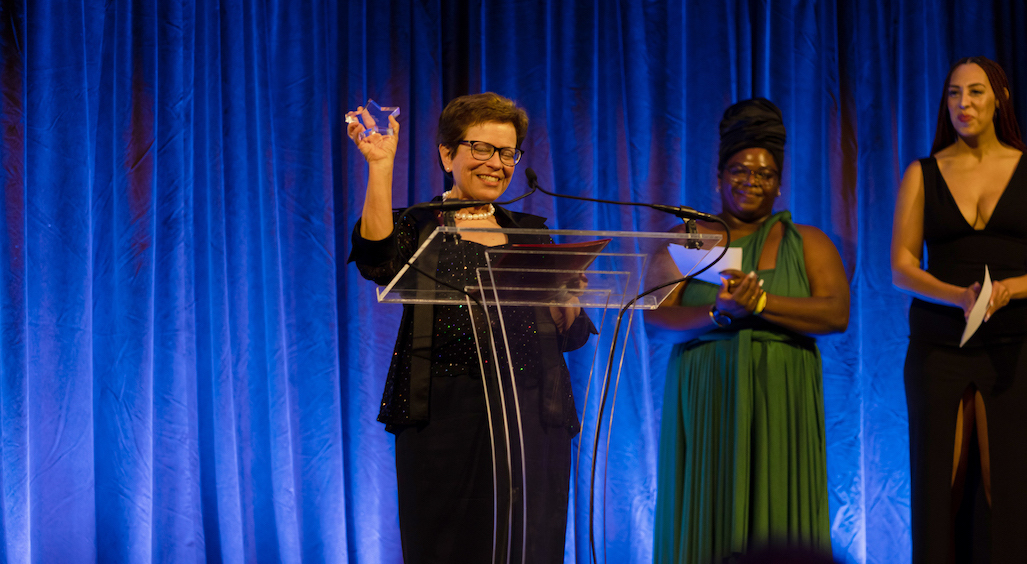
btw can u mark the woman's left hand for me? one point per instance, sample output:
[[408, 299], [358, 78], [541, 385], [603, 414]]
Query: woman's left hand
[[1000, 296], [564, 315]]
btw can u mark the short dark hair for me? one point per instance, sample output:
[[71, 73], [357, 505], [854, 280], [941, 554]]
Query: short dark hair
[[468, 111], [1006, 128]]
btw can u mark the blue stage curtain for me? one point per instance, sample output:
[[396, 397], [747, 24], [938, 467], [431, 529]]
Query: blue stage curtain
[[170, 343], [191, 371]]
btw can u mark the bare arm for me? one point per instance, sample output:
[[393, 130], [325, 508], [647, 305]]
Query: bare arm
[[672, 322], [1017, 287], [827, 309], [907, 245], [738, 295], [676, 323], [1004, 290], [380, 153]]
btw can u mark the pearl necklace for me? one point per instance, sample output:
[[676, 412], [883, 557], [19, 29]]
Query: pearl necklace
[[463, 216]]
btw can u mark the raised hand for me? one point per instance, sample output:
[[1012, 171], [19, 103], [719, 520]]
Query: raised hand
[[375, 147], [380, 152]]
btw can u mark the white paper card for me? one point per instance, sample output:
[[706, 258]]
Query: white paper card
[[685, 258], [973, 322]]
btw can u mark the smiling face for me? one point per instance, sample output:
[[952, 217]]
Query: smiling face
[[971, 101], [743, 193], [480, 180]]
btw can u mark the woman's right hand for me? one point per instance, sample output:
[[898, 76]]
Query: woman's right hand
[[376, 148], [739, 293], [969, 297], [380, 152]]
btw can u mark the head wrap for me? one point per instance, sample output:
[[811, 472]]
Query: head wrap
[[749, 124]]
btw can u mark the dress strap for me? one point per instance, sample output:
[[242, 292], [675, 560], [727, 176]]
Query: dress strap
[[931, 173], [753, 244]]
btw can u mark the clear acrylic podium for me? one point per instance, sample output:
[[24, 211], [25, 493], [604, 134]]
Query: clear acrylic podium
[[603, 272]]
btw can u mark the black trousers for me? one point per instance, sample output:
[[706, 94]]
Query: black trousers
[[445, 479], [936, 377]]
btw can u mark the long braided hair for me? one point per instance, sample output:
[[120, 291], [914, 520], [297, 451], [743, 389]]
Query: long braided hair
[[1006, 128]]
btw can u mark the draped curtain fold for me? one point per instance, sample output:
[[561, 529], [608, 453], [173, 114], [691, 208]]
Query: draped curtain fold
[[190, 371], [170, 347]]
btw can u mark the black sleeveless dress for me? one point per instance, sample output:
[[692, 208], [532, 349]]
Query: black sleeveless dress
[[994, 361]]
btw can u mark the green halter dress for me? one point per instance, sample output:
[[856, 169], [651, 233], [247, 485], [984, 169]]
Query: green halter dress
[[742, 453]]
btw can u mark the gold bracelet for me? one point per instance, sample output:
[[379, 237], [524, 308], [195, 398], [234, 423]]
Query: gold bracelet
[[761, 304]]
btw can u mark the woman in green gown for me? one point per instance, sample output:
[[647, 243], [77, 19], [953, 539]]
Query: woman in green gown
[[742, 454]]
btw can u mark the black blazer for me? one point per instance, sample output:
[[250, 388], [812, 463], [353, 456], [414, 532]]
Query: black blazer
[[405, 399]]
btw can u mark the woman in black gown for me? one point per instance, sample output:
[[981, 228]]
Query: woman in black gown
[[967, 203], [434, 398]]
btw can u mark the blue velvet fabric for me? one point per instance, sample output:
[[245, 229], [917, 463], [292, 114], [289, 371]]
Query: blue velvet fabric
[[191, 372]]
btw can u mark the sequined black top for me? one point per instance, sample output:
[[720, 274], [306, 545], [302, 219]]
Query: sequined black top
[[438, 341]]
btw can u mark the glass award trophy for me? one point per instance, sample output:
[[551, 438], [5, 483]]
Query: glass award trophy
[[374, 118]]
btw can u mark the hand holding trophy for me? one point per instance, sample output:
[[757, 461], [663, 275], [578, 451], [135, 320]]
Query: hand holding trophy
[[374, 130]]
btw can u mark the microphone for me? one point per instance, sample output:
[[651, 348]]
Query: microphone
[[533, 180], [682, 212]]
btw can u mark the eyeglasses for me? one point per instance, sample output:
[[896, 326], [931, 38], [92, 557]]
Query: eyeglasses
[[741, 173], [483, 151]]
